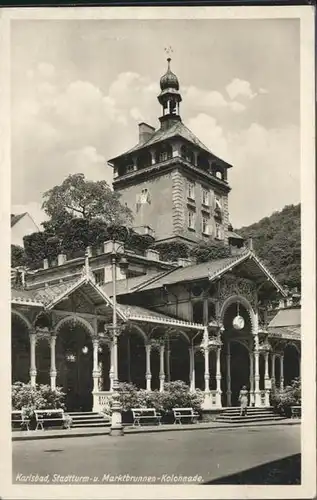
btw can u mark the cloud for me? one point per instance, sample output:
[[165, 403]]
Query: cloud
[[46, 70], [76, 127], [264, 161], [210, 133], [88, 161], [210, 99], [136, 114], [237, 88]]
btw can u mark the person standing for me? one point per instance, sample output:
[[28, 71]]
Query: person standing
[[243, 399]]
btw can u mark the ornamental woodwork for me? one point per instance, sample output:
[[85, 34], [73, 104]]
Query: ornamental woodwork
[[232, 285]]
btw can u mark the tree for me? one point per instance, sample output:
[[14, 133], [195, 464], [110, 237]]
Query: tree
[[209, 250], [77, 197], [277, 241], [18, 256]]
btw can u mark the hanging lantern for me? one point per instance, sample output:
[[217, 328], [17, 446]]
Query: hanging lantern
[[85, 349], [71, 358], [238, 321]]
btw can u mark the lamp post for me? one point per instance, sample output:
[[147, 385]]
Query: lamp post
[[116, 428]]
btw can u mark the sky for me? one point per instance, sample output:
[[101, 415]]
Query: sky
[[79, 88]]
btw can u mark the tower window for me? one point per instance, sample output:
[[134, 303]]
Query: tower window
[[191, 190], [164, 153], [187, 154], [219, 175], [203, 162], [191, 220], [205, 225], [144, 160], [205, 197]]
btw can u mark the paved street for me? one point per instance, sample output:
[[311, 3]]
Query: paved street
[[211, 454]]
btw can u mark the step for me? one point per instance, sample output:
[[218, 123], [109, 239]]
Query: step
[[248, 418], [90, 424], [235, 414], [88, 421], [75, 413], [86, 417]]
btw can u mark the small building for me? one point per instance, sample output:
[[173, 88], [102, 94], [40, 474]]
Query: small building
[[22, 225]]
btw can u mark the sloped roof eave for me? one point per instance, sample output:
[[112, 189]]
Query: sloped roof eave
[[86, 279]]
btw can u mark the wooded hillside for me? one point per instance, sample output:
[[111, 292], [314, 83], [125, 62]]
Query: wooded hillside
[[277, 241]]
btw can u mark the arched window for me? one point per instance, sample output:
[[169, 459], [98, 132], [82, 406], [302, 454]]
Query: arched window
[[144, 159], [165, 152], [219, 174], [187, 154], [203, 162]]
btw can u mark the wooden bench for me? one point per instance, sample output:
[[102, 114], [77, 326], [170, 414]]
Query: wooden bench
[[186, 414], [146, 415], [49, 418], [296, 411], [19, 419]]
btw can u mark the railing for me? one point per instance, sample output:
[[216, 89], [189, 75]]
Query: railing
[[100, 400], [262, 396]]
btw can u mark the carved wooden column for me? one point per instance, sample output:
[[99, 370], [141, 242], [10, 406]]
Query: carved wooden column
[[192, 380], [251, 379], [207, 376], [111, 371], [168, 361], [162, 373], [257, 393], [266, 378], [218, 378], [148, 374], [282, 371], [53, 372], [228, 359], [33, 372], [273, 358], [95, 368]]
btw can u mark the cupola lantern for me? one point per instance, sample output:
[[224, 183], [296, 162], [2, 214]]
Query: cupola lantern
[[169, 97]]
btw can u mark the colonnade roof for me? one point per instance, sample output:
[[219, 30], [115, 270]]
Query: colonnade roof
[[251, 266], [49, 297]]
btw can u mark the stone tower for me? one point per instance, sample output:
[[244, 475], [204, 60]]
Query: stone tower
[[176, 187]]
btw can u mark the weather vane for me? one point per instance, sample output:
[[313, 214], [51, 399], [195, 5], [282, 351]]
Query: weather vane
[[168, 50]]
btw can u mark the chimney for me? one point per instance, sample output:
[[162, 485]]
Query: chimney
[[145, 132]]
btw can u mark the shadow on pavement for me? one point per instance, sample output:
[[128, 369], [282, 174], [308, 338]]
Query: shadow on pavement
[[284, 471]]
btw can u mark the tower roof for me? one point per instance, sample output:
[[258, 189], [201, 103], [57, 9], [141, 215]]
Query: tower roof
[[169, 80], [178, 129]]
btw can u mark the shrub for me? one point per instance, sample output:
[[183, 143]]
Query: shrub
[[172, 251], [283, 399], [33, 398], [176, 394]]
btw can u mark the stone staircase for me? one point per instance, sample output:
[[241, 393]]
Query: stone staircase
[[88, 419], [254, 415]]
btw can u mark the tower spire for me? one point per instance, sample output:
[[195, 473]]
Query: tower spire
[[169, 97]]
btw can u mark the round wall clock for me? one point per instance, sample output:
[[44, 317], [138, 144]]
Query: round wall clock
[[238, 323]]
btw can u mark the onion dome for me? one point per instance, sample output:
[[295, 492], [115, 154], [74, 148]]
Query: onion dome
[[169, 80]]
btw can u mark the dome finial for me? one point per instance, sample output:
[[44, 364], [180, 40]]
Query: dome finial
[[169, 80]]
